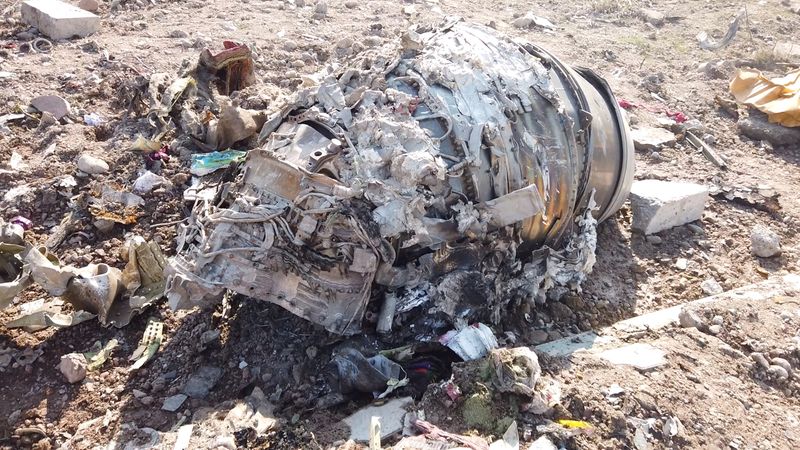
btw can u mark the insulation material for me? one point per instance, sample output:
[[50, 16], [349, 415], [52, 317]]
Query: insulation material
[[778, 97]]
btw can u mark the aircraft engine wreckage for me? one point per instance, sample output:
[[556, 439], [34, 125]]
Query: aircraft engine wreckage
[[455, 169]]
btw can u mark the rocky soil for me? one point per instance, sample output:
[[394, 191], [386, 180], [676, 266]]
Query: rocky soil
[[647, 51]]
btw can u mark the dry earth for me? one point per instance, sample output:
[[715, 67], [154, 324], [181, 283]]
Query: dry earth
[[284, 354]]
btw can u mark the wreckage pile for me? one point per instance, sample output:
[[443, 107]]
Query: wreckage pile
[[436, 190], [456, 170]]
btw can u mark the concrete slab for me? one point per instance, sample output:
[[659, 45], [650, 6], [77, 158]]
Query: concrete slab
[[391, 415], [640, 356], [659, 205], [59, 20], [606, 338], [652, 138]]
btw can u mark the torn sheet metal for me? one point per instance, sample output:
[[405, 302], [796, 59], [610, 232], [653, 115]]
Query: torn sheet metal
[[706, 43], [14, 273], [148, 345], [112, 295], [38, 315], [454, 161]]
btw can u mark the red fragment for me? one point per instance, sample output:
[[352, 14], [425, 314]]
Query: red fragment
[[677, 116]]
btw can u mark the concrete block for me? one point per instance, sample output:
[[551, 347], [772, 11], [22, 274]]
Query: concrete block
[[659, 205], [652, 139], [59, 20]]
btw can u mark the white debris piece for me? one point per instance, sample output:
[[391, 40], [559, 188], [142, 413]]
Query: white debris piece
[[764, 242], [531, 19], [543, 443], [472, 342], [149, 181], [660, 205], [391, 416], [59, 20], [510, 439], [91, 164], [640, 356]]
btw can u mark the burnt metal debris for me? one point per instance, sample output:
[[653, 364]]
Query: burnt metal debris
[[455, 168]]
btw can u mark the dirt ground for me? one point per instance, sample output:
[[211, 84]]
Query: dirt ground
[[722, 399]]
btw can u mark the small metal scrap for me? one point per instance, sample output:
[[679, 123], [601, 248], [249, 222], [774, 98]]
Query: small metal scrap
[[762, 198], [709, 152], [99, 353], [706, 43], [148, 346]]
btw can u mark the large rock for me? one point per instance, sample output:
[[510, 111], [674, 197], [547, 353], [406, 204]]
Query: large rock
[[645, 139], [653, 17], [92, 165], [764, 242], [202, 381], [52, 104], [758, 128], [660, 205], [59, 20], [173, 403], [73, 367]]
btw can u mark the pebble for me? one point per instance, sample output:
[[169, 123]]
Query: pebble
[[372, 41], [172, 404], [652, 139], [89, 5], [73, 367], [682, 263], [350, 4], [715, 329], [298, 64], [760, 359], [653, 17], [311, 352], [689, 319], [710, 286], [92, 165], [178, 34], [202, 381], [209, 336], [655, 240], [103, 225], [717, 320], [25, 36], [321, 9], [345, 42], [539, 336], [696, 229], [764, 242], [783, 363], [778, 372]]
